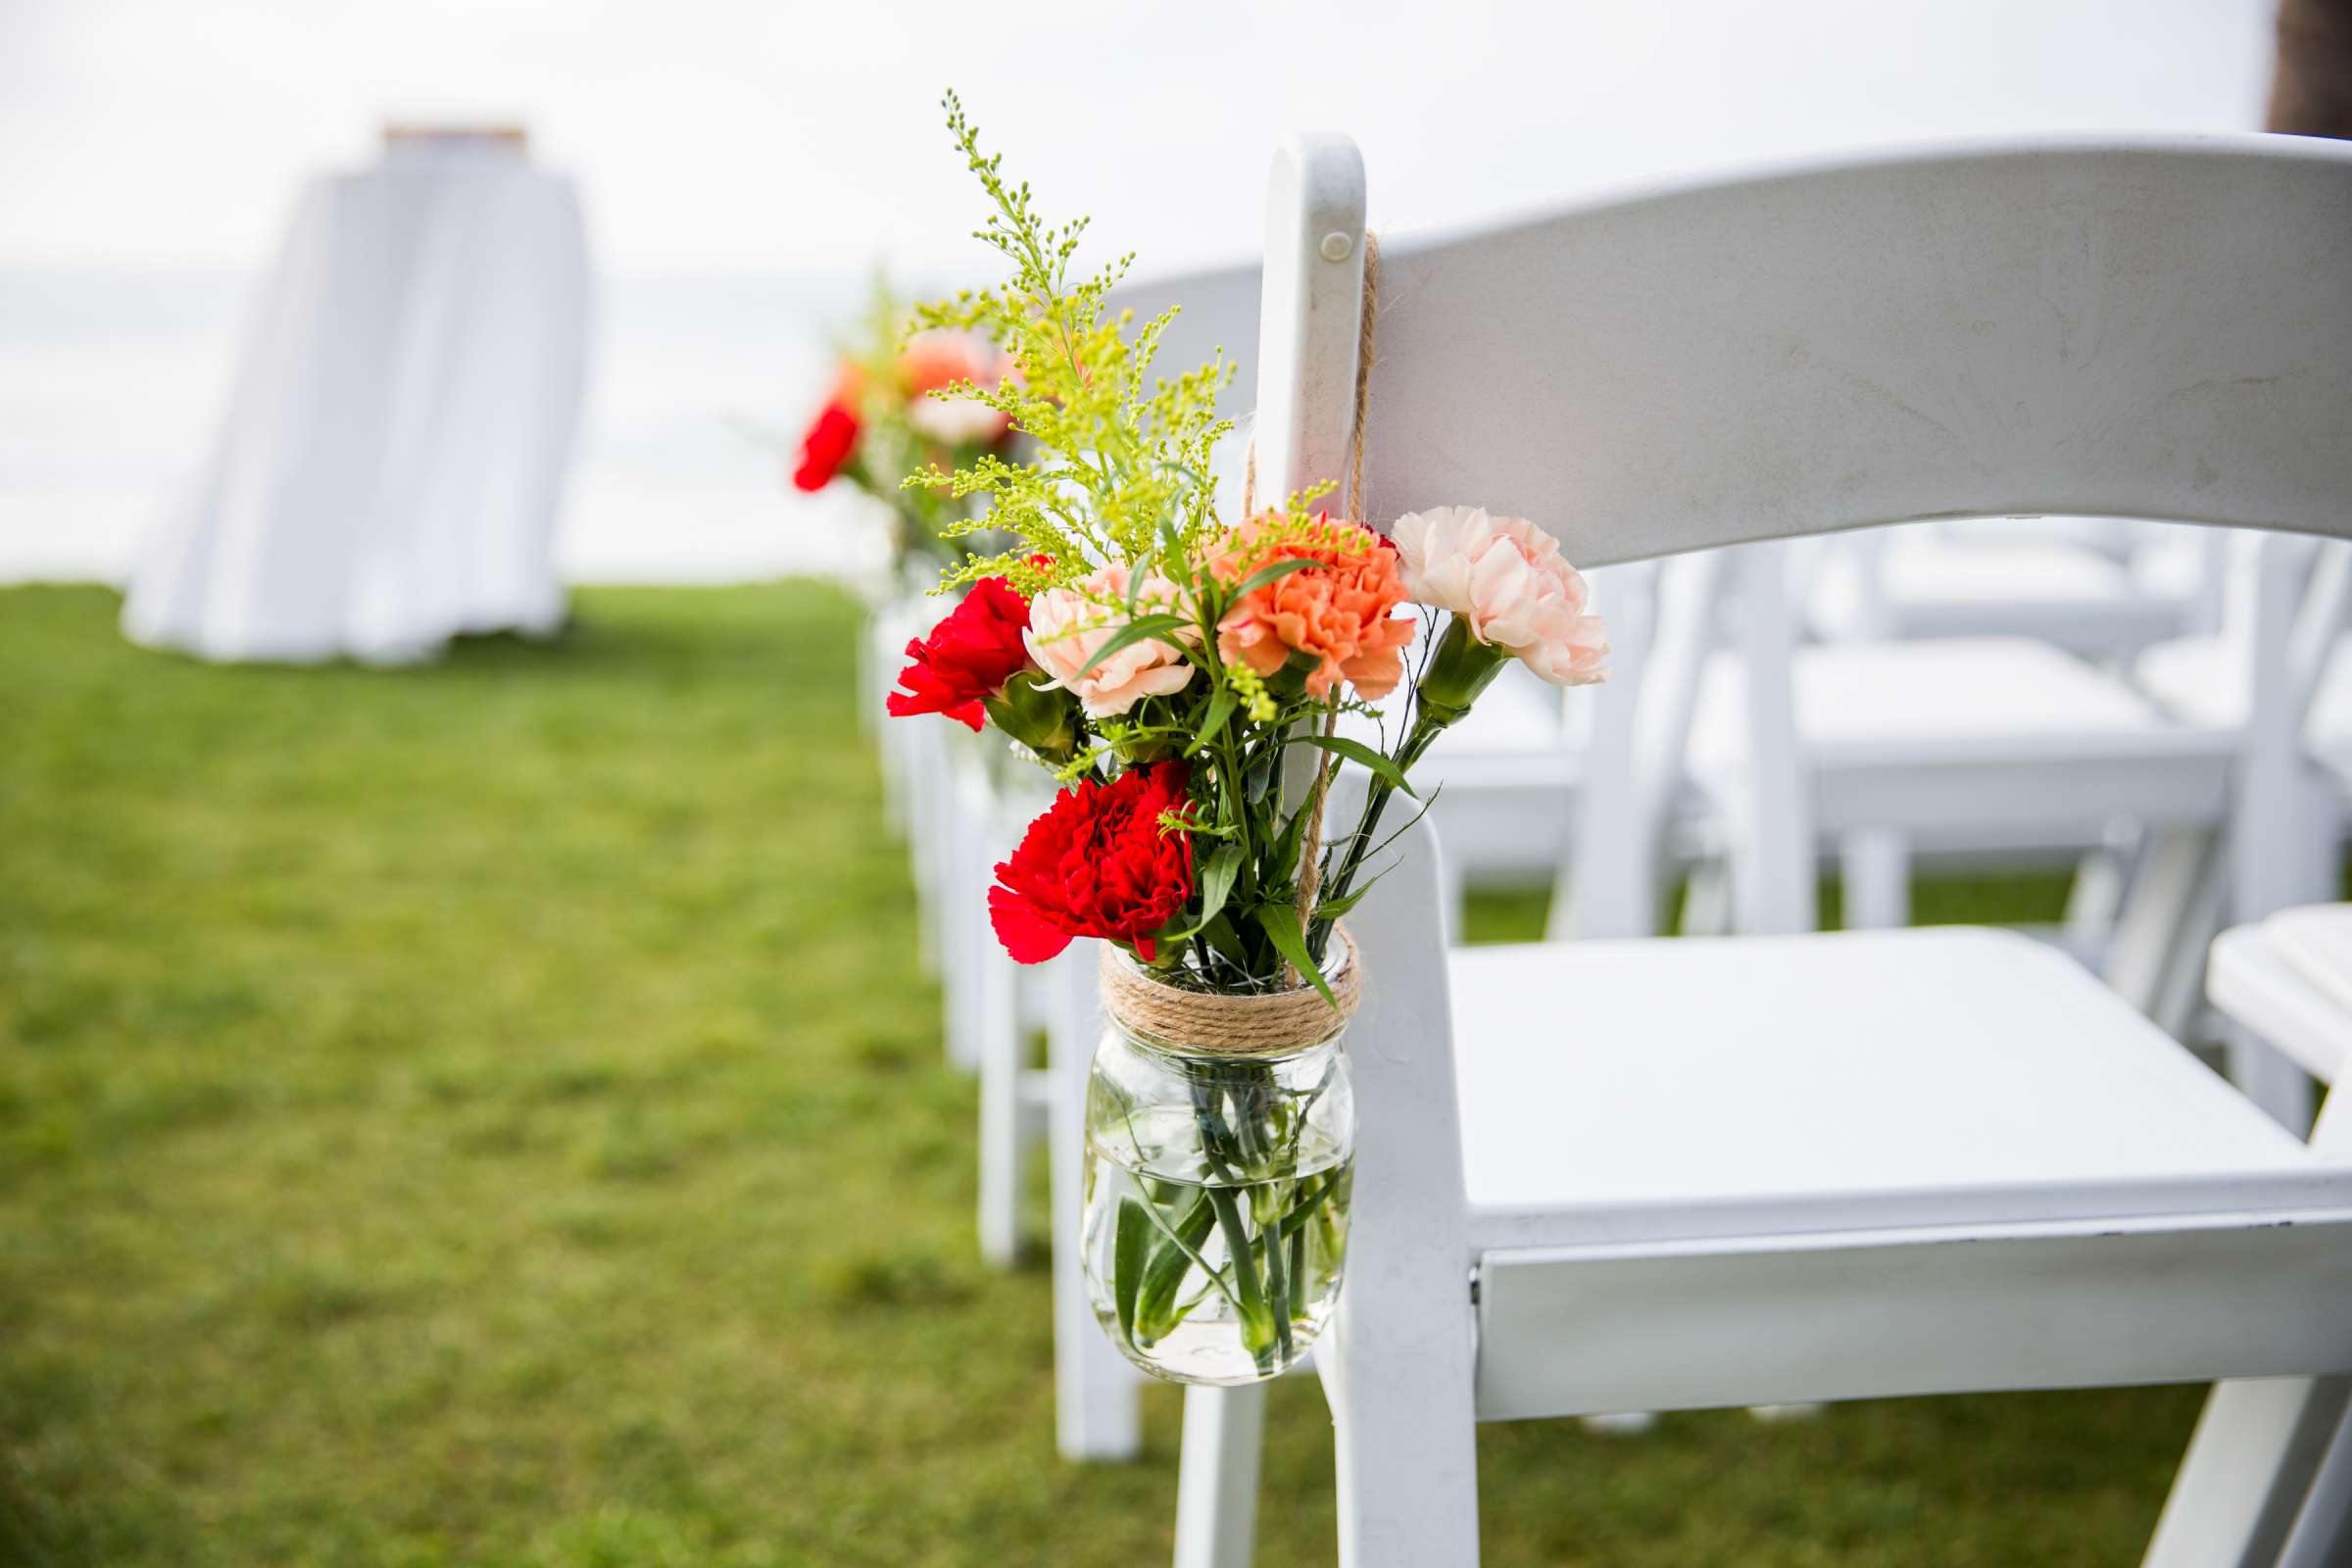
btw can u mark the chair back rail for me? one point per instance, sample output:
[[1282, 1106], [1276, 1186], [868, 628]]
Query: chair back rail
[[1216, 313], [2135, 326]]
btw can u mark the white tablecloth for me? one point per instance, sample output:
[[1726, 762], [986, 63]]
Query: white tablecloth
[[392, 465]]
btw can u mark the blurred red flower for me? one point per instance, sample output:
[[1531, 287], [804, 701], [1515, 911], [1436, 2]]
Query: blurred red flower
[[967, 658], [826, 446], [1098, 864]]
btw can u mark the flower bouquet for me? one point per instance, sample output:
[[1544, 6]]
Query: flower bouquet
[[880, 424], [1193, 684]]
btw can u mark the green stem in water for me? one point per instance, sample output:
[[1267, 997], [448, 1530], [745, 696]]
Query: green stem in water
[[1461, 669], [1249, 1288], [1155, 1308], [1256, 1328], [1294, 1222], [1278, 1285], [1297, 1246]]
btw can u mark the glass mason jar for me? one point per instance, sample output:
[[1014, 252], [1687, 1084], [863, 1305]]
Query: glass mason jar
[[1217, 1199]]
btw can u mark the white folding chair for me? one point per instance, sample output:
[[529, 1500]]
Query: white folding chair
[[1663, 1175], [2007, 742], [2007, 746], [2288, 979], [1927, 581], [2278, 670], [881, 654], [2278, 679]]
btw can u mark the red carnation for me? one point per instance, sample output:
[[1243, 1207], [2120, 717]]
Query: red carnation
[[968, 657], [826, 446], [1097, 865]]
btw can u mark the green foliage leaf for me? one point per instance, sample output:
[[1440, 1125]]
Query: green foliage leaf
[[1225, 941], [1333, 908], [1131, 1239], [1118, 456], [1136, 631], [1221, 704], [1267, 574], [1216, 880], [1357, 751], [1218, 875], [1280, 923]]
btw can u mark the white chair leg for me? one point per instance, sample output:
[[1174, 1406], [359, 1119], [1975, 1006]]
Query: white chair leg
[[1098, 1399], [2180, 996], [1876, 865], [1216, 1480], [2263, 1075], [891, 746], [926, 789], [1004, 1151], [1398, 1362], [1620, 1423], [2251, 1463], [1707, 902], [2175, 870], [962, 841], [1774, 1415], [2264, 1449], [2322, 1534], [2094, 900], [1770, 822]]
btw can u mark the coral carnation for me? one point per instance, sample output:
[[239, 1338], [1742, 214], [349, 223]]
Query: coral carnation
[[942, 359], [1336, 610], [970, 656], [1098, 864]]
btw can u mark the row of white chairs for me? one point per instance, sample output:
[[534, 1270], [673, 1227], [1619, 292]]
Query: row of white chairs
[[1626, 1175]]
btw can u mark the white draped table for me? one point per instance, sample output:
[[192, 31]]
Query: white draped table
[[392, 465]]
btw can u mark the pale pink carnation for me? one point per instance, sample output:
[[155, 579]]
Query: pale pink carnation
[[1097, 604], [1507, 578]]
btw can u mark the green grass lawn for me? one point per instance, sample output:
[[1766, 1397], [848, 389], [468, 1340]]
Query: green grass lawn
[[490, 1114]]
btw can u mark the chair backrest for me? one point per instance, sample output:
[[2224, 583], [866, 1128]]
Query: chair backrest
[[1217, 311], [2135, 326]]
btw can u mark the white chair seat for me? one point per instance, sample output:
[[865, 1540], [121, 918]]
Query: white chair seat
[[2114, 538], [1502, 783], [1931, 586], [2289, 979], [1905, 735], [2203, 680], [1662, 1089]]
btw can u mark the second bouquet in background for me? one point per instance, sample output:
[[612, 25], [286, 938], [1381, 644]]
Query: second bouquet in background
[[879, 424], [1185, 678]]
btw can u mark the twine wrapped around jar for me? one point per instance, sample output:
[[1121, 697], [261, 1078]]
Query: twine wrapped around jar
[[1221, 1023]]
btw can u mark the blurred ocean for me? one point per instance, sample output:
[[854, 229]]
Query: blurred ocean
[[112, 386]]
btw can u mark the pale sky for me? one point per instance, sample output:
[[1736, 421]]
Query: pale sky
[[729, 134]]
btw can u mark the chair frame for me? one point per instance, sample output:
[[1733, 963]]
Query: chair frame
[[2193, 362]]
